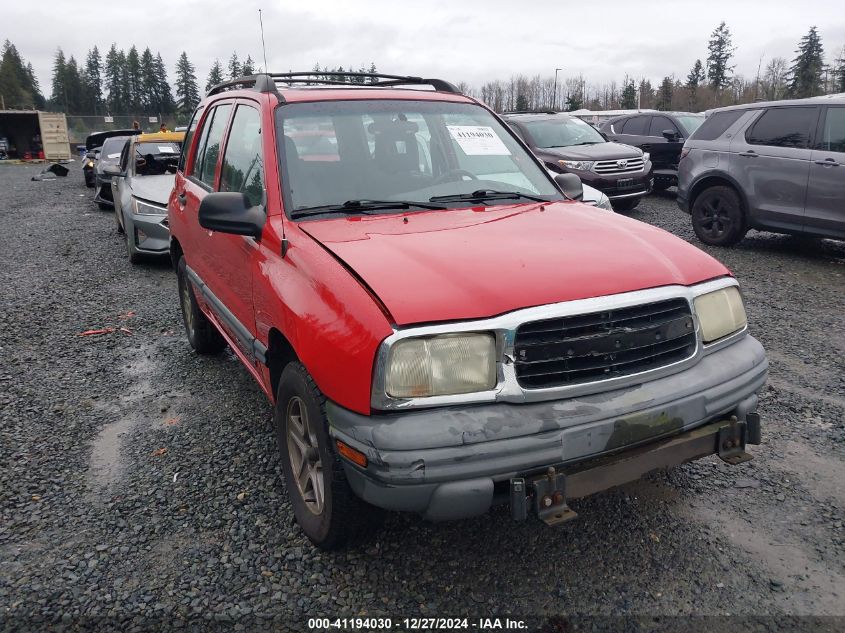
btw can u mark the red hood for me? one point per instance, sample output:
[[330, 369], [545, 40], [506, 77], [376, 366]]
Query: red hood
[[474, 263]]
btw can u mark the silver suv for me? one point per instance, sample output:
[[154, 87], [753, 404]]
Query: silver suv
[[775, 166]]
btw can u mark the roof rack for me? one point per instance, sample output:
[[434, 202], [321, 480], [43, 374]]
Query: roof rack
[[267, 82]]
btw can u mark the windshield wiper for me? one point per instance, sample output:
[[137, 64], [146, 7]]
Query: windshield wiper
[[487, 194], [362, 207]]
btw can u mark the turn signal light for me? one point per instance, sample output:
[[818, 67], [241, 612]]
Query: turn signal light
[[353, 455]]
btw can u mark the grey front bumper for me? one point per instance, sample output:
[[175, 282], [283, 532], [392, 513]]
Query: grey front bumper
[[444, 462], [150, 233]]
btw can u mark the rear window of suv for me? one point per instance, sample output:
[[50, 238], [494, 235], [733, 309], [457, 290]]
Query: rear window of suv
[[784, 127], [716, 124]]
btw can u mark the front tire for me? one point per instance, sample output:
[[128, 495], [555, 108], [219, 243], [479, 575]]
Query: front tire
[[717, 216], [326, 508], [202, 335]]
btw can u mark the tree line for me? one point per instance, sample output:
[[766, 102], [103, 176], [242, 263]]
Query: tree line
[[129, 82], [710, 83]]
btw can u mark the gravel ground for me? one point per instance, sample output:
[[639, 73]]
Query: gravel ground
[[139, 483]]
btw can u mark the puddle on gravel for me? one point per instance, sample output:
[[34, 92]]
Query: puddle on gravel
[[105, 466]]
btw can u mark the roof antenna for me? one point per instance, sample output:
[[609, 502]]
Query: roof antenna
[[263, 48]]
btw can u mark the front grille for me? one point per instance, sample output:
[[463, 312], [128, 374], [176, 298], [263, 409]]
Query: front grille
[[620, 166], [601, 345]]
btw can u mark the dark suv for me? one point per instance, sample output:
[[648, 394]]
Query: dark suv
[[777, 166], [568, 144], [661, 134]]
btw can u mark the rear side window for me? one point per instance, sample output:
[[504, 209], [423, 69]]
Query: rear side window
[[833, 133], [637, 125], [208, 149], [186, 145], [243, 163], [717, 124], [661, 123], [783, 127]]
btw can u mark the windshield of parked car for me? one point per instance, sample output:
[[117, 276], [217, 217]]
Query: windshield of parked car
[[690, 122], [414, 152], [152, 159], [110, 152], [562, 132]]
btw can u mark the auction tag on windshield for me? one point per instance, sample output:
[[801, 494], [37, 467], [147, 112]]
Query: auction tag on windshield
[[478, 140], [163, 149]]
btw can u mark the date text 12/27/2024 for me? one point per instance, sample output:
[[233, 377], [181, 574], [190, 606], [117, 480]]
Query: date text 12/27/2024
[[416, 624]]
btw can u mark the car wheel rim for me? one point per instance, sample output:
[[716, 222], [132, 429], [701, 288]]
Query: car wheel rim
[[186, 307], [306, 465], [715, 218]]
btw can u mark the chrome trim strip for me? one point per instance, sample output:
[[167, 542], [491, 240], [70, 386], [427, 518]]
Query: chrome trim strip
[[504, 328], [628, 195]]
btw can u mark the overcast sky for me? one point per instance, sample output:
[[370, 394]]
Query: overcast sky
[[459, 40]]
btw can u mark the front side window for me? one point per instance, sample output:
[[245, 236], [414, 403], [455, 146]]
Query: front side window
[[243, 163], [833, 132], [784, 127], [403, 150], [208, 148], [659, 124], [563, 132]]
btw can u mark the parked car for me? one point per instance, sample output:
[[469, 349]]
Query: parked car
[[93, 143], [441, 335], [109, 156], [568, 144], [661, 134], [775, 166], [141, 185]]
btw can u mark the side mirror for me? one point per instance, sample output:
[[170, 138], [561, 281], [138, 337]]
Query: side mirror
[[113, 170], [670, 135], [231, 212], [570, 185]]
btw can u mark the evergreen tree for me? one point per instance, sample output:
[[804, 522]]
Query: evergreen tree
[[125, 86], [664, 101], [234, 66], [372, 70], [695, 78], [149, 89], [720, 49], [215, 75], [74, 87], [187, 93], [628, 100], [113, 74], [806, 72], [839, 73], [574, 102], [18, 85], [248, 67], [59, 96], [134, 82], [167, 104], [93, 81]]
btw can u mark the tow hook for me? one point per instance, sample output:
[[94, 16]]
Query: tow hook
[[548, 494], [732, 438]]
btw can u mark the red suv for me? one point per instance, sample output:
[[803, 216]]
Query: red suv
[[439, 325]]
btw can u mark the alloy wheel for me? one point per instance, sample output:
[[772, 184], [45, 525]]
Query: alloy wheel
[[186, 306], [716, 218], [306, 465]]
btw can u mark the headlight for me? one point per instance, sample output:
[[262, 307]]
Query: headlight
[[720, 313], [580, 165], [143, 208], [646, 157], [441, 365], [604, 203]]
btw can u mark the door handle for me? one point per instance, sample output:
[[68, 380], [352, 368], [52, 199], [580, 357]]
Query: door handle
[[748, 154], [182, 197], [827, 162]]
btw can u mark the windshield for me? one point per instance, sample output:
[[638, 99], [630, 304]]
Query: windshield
[[152, 159], [110, 152], [416, 152], [690, 122], [562, 132]]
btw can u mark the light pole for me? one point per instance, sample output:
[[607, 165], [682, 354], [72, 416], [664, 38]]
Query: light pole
[[554, 91]]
